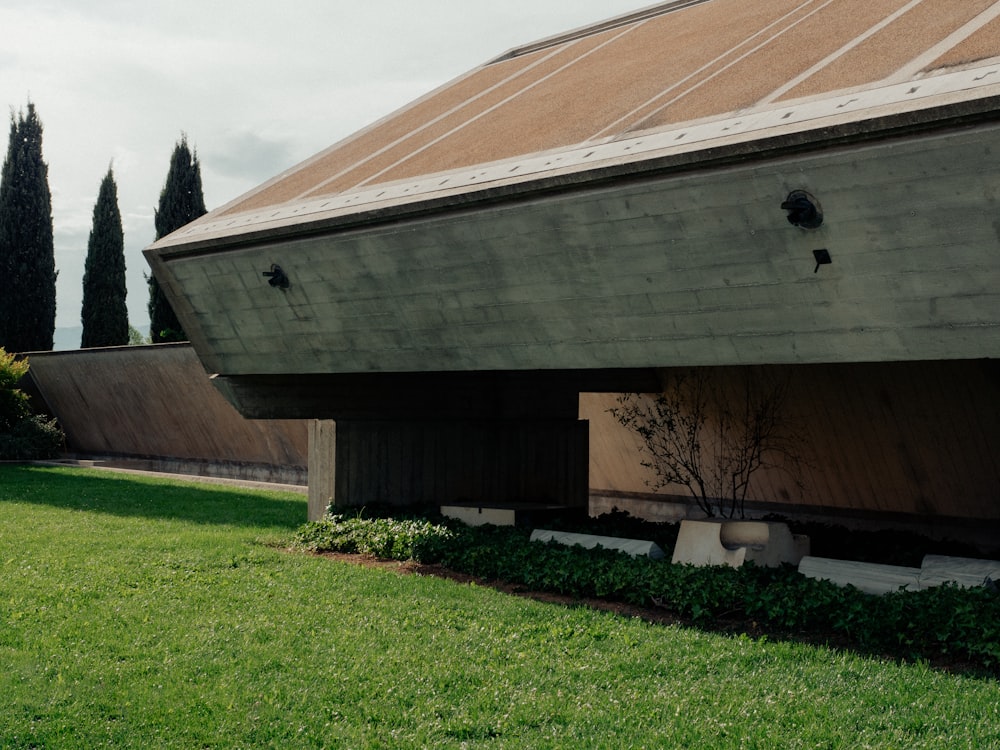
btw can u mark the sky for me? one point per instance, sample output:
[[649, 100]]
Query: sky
[[255, 86]]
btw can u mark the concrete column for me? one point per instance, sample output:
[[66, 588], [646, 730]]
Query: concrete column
[[322, 466]]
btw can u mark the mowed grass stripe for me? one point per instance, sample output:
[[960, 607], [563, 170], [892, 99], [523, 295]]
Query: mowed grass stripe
[[136, 613]]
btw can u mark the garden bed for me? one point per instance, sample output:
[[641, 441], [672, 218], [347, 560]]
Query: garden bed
[[952, 628]]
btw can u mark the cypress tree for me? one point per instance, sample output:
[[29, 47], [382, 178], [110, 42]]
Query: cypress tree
[[104, 314], [181, 202], [27, 253]]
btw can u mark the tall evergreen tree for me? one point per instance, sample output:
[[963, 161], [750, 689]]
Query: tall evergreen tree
[[104, 314], [181, 202], [27, 253]]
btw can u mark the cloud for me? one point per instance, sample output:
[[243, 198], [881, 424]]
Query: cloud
[[244, 155]]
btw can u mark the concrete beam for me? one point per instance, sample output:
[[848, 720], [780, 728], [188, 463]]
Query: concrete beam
[[410, 396]]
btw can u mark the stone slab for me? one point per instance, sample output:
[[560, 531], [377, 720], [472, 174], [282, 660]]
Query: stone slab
[[633, 547], [511, 514], [871, 578], [936, 570]]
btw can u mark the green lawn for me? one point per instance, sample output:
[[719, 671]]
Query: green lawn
[[147, 614]]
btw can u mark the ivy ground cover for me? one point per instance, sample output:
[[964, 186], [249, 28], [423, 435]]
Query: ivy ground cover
[[136, 613]]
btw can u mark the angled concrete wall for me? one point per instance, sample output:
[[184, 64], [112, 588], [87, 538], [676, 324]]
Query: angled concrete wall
[[157, 402]]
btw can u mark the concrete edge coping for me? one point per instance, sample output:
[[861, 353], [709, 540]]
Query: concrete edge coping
[[194, 478]]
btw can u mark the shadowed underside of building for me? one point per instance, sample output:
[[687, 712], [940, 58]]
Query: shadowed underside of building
[[787, 183]]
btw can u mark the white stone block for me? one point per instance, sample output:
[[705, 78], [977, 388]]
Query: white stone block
[[479, 516], [965, 571], [871, 578], [633, 547]]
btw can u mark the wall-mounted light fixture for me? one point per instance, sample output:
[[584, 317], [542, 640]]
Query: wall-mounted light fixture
[[276, 277], [803, 210]]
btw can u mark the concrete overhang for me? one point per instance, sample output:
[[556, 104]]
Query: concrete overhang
[[669, 248]]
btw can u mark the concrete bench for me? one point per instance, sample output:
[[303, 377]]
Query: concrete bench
[[725, 542], [633, 547]]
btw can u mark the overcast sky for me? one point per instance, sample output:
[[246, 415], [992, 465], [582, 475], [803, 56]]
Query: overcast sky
[[256, 87]]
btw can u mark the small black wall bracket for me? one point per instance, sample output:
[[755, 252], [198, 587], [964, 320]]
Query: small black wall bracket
[[822, 257]]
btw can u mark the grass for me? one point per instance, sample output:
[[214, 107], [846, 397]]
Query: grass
[[151, 614]]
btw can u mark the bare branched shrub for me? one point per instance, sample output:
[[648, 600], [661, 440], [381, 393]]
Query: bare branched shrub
[[711, 431]]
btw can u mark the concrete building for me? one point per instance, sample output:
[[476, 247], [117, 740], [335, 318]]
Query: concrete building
[[802, 184]]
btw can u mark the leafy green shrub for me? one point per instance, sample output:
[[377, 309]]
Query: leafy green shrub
[[23, 435], [389, 538], [939, 620], [13, 401], [942, 621], [794, 603], [31, 439]]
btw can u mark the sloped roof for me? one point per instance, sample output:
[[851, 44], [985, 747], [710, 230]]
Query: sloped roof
[[673, 63], [675, 75]]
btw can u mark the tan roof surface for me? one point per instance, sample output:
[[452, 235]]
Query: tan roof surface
[[672, 64], [892, 47]]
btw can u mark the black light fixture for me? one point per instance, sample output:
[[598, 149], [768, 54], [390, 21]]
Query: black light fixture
[[276, 277], [803, 210]]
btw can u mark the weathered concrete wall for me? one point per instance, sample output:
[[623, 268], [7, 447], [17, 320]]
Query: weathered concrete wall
[[157, 402], [697, 268], [914, 438]]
